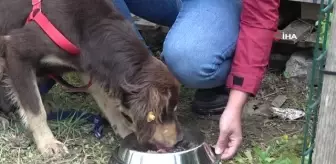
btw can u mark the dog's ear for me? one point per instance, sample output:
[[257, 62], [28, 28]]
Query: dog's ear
[[130, 88], [149, 106], [154, 107]]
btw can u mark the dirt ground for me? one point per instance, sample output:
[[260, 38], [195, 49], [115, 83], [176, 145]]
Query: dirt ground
[[259, 125]]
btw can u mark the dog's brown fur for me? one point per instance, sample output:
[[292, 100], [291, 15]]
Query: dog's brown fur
[[128, 83]]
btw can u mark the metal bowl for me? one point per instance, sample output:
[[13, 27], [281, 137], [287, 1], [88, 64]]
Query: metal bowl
[[128, 152]]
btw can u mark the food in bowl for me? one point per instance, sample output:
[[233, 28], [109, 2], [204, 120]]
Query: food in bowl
[[197, 151], [181, 146]]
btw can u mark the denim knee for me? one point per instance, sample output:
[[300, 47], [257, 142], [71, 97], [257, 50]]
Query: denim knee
[[199, 48], [197, 69]]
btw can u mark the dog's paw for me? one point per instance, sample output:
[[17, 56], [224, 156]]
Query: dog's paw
[[52, 147]]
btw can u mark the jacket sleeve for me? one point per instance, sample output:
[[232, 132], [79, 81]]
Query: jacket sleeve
[[259, 20]]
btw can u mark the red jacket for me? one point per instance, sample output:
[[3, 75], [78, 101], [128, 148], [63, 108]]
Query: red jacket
[[258, 25]]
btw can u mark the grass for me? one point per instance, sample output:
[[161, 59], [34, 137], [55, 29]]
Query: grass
[[281, 146], [282, 150], [19, 148], [16, 145]]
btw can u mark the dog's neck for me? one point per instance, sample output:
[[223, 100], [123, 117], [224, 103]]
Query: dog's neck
[[112, 51]]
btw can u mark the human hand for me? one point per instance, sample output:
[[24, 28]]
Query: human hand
[[230, 134], [230, 129]]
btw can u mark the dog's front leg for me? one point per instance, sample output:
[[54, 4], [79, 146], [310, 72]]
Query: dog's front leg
[[26, 95], [111, 107]]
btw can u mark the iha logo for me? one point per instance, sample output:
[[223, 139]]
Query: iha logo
[[283, 36]]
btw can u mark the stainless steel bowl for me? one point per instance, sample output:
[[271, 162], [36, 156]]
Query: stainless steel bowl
[[128, 152]]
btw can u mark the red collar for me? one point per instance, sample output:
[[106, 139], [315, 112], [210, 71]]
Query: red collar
[[39, 18]]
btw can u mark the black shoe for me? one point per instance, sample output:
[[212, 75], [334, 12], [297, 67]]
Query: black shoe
[[210, 101]]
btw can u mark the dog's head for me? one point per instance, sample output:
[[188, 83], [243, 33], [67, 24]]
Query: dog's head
[[151, 108], [148, 91]]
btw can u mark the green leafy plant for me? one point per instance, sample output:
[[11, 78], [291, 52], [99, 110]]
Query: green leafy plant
[[324, 23], [284, 150]]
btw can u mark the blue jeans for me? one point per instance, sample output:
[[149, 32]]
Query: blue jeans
[[200, 45]]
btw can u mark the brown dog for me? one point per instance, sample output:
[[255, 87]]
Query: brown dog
[[135, 91]]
